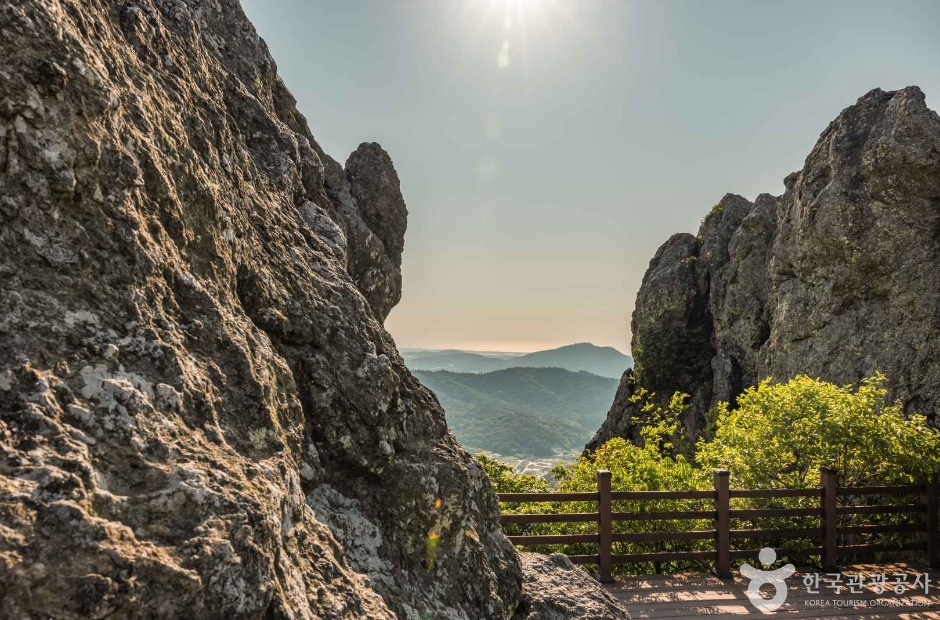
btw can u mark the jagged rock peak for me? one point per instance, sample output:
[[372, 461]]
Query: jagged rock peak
[[835, 278], [201, 414]]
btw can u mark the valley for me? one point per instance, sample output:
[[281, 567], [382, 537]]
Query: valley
[[531, 418]]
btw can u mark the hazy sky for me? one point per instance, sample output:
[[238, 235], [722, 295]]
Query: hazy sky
[[546, 148]]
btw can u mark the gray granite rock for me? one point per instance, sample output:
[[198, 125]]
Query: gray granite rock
[[836, 278], [556, 589], [201, 414]]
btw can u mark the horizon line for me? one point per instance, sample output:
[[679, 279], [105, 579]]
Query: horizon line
[[515, 352]]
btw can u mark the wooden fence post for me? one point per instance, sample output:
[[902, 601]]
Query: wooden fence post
[[604, 527], [830, 554], [722, 524], [931, 521]]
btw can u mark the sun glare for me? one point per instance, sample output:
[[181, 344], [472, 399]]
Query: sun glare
[[508, 24], [518, 5], [514, 18]]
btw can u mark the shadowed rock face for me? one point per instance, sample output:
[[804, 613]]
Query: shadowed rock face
[[556, 589], [201, 414], [367, 202], [836, 278]]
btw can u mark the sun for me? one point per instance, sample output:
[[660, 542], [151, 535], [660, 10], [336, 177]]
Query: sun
[[514, 13], [518, 6], [514, 20]]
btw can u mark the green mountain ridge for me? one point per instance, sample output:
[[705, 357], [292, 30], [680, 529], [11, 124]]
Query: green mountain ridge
[[601, 361], [522, 411]]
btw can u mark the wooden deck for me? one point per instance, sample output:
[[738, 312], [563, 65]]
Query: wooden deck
[[700, 594]]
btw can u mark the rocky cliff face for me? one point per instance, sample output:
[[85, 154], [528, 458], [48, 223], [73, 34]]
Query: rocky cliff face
[[836, 278], [201, 414]]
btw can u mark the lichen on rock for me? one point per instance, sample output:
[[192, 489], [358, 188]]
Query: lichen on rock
[[555, 589], [201, 414], [835, 278]]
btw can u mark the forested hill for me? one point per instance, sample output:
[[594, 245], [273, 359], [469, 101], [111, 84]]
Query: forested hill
[[522, 411], [602, 361]]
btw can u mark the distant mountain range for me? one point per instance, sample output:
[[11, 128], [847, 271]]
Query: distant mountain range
[[523, 412], [601, 361]]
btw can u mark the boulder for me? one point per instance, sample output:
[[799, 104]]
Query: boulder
[[556, 589], [834, 279], [201, 414]]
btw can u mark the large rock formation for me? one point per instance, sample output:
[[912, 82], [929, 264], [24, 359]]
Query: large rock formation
[[201, 414], [836, 278]]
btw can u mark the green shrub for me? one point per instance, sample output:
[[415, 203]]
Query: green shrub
[[779, 436], [505, 481]]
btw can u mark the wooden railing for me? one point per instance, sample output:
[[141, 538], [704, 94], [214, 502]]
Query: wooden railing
[[827, 534]]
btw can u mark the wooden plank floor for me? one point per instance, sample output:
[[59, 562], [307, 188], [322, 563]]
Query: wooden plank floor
[[699, 594]]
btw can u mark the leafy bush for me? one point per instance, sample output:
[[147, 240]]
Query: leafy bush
[[505, 481], [779, 436], [654, 465]]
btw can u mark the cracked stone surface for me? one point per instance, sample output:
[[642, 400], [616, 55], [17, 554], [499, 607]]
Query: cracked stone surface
[[556, 589], [836, 278], [201, 414]]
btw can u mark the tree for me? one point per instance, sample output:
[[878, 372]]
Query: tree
[[780, 435], [504, 480]]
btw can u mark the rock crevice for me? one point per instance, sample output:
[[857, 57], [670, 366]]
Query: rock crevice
[[201, 414]]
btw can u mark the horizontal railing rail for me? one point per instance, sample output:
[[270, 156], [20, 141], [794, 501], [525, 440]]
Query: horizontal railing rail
[[833, 540]]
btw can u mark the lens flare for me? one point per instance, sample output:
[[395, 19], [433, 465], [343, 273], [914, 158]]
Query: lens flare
[[431, 543], [502, 59]]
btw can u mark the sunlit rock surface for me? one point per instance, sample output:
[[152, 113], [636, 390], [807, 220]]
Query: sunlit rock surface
[[836, 278], [201, 414]]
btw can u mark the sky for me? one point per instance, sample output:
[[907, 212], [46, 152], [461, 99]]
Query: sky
[[546, 148]]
